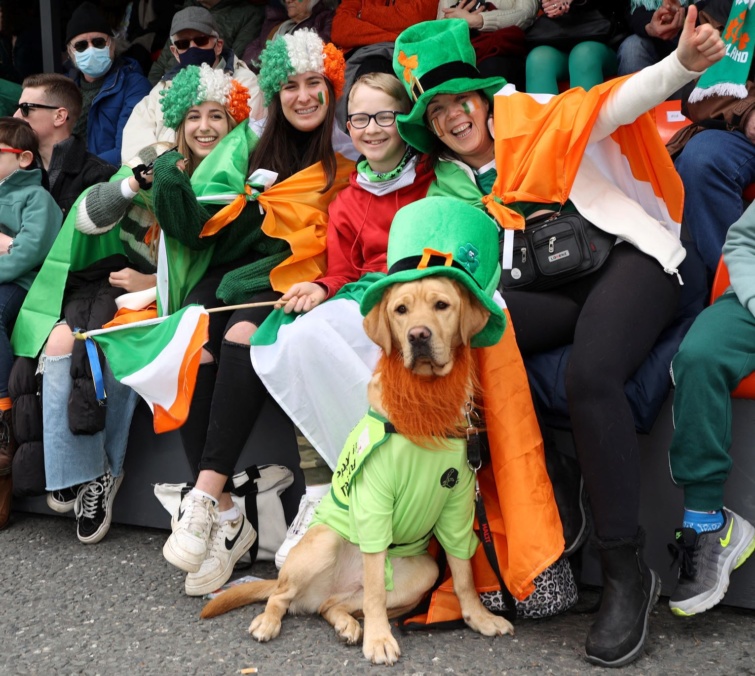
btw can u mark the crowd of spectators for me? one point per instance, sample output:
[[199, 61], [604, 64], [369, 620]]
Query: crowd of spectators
[[380, 103]]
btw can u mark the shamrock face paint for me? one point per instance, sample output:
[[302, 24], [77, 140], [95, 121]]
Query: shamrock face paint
[[460, 121], [304, 100]]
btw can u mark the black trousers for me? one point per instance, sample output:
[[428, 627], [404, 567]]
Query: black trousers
[[613, 318], [229, 395]]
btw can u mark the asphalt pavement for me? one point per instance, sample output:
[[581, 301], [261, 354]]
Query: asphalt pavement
[[118, 608]]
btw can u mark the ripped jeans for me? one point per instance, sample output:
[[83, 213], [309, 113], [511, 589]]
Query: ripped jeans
[[72, 459]]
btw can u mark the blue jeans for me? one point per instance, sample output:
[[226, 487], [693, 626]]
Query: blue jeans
[[11, 298], [715, 166], [636, 52], [72, 459]]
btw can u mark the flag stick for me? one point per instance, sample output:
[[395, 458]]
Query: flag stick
[[243, 306], [83, 335]]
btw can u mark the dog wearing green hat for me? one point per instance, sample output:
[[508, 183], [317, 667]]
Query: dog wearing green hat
[[403, 475]]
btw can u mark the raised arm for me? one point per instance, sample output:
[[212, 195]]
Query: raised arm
[[699, 48], [178, 212]]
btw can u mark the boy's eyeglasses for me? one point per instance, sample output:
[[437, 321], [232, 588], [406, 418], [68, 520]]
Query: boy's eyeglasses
[[26, 107], [16, 151], [97, 43], [385, 118], [199, 41]]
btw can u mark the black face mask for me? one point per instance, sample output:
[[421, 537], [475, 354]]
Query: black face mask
[[194, 56]]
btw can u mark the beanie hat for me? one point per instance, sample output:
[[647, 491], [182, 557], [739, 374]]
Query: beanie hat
[[194, 18], [196, 84], [436, 57], [447, 237], [300, 52], [87, 18]]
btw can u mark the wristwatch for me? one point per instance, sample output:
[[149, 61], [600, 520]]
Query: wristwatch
[[10, 245]]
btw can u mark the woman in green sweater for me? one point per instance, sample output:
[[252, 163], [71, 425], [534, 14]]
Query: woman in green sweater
[[84, 459], [252, 254]]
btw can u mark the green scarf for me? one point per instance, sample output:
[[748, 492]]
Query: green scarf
[[728, 77]]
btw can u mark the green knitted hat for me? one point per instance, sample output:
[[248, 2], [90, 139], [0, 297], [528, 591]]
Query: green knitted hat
[[448, 237], [436, 57]]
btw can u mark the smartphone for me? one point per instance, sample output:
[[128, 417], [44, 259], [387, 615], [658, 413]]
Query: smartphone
[[477, 5]]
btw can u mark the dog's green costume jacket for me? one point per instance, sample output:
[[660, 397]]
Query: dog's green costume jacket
[[388, 493]]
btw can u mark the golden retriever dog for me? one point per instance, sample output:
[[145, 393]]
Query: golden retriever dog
[[424, 328]]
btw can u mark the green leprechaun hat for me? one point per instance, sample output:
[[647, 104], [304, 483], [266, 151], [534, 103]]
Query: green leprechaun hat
[[448, 237], [436, 57]]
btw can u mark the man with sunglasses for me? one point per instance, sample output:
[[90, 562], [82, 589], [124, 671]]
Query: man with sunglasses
[[51, 104], [240, 22], [194, 39], [110, 86]]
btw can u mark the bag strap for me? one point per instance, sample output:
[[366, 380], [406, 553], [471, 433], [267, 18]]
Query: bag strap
[[474, 460], [248, 490]]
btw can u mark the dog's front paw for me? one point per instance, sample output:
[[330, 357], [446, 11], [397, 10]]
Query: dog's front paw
[[264, 627], [381, 648], [349, 629], [487, 624]]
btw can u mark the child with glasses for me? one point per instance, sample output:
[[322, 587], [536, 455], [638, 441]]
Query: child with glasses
[[325, 349], [29, 223]]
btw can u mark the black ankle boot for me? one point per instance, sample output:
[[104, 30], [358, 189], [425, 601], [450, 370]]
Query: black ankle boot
[[630, 590]]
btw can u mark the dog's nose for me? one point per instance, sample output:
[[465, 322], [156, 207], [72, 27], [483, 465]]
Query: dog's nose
[[419, 335]]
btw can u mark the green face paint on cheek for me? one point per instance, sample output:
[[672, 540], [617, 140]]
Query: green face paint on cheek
[[468, 107], [321, 98]]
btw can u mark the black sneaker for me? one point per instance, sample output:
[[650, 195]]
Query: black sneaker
[[62, 501], [94, 508]]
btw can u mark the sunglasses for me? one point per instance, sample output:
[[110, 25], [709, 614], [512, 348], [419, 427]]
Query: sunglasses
[[97, 43], [26, 107], [385, 118], [199, 41]]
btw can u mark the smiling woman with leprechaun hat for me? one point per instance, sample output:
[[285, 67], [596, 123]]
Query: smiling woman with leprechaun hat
[[531, 158]]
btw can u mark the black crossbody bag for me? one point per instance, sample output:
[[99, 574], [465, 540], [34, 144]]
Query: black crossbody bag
[[554, 249]]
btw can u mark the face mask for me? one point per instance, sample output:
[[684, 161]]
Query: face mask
[[194, 56], [94, 62]]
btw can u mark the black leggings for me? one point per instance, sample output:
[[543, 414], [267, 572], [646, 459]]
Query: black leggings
[[613, 318], [228, 396]]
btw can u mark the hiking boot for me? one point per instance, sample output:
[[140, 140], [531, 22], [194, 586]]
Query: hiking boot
[[63, 500], [298, 527], [94, 508], [8, 443], [630, 590], [186, 548], [706, 562], [6, 495], [229, 541], [8, 448]]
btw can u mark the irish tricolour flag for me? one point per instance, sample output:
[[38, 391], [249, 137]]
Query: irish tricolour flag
[[159, 359]]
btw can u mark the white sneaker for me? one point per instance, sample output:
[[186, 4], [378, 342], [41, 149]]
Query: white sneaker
[[186, 548], [299, 525], [229, 541]]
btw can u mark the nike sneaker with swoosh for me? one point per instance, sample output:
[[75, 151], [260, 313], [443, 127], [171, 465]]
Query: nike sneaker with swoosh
[[229, 541], [706, 562], [187, 546]]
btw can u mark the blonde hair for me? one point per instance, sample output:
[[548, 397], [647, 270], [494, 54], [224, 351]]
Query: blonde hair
[[386, 83]]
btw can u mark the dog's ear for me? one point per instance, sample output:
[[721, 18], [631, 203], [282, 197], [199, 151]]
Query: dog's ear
[[377, 327], [472, 318]]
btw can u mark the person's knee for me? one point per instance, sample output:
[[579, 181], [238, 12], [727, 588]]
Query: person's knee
[[635, 53], [240, 333], [60, 342], [587, 383]]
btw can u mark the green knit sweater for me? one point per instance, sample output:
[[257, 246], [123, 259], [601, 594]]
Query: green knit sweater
[[182, 217]]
